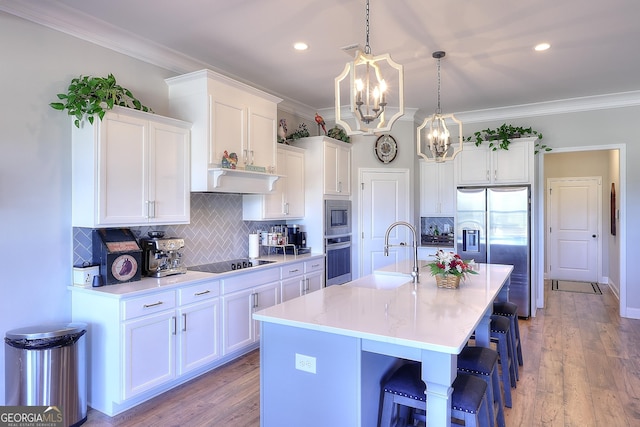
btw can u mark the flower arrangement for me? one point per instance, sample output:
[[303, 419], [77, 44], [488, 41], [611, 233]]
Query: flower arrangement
[[450, 264]]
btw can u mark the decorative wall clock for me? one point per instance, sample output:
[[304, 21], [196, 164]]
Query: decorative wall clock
[[386, 148]]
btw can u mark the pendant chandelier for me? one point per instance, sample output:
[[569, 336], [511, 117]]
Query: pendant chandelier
[[375, 90], [435, 145]]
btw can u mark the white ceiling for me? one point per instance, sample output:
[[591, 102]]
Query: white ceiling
[[490, 60]]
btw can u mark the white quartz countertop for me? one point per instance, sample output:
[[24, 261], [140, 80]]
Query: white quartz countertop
[[152, 284], [388, 307]]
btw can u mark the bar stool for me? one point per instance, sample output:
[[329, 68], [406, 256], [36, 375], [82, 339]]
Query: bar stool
[[510, 310], [405, 401], [482, 362], [501, 334]]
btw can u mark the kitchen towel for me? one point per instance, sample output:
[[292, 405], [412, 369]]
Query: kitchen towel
[[254, 245]]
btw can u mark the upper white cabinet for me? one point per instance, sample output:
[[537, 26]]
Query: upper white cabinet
[[286, 201], [337, 168], [328, 162], [482, 166], [130, 168], [227, 116], [437, 189]]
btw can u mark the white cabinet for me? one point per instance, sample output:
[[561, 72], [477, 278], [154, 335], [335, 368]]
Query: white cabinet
[[242, 296], [437, 189], [130, 168], [199, 321], [482, 166], [140, 345], [227, 116], [286, 201], [337, 168], [301, 278], [149, 346]]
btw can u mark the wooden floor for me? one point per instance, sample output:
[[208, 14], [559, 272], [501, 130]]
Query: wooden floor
[[582, 368]]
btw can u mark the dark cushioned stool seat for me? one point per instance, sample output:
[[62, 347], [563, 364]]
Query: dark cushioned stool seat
[[405, 389], [500, 332], [509, 309], [482, 362]]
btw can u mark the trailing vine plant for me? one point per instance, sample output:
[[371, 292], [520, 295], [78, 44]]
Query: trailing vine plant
[[88, 96], [501, 136]]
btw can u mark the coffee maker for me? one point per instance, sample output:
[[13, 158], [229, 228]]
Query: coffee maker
[[161, 256], [298, 238]]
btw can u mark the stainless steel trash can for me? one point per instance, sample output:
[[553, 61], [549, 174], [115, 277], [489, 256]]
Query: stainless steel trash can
[[45, 365]]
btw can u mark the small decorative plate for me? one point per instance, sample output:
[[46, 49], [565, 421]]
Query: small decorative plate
[[386, 148]]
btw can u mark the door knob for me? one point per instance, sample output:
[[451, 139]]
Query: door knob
[[593, 235]]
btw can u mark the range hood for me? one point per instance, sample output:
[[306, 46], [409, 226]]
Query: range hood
[[240, 181]]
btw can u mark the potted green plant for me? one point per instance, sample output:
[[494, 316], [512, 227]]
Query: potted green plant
[[501, 136], [88, 96]]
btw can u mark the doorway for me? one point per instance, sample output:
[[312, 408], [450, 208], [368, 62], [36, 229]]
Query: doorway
[[582, 162]]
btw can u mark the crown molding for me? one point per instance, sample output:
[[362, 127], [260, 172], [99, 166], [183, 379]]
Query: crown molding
[[547, 108]]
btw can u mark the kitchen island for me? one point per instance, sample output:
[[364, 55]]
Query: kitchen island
[[325, 355]]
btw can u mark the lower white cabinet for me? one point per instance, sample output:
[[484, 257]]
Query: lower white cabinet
[[141, 345], [138, 345], [301, 278], [148, 352], [243, 295]]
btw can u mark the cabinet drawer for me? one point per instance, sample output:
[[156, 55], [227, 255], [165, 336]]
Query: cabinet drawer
[[148, 304], [249, 280], [314, 265], [291, 270], [199, 292]]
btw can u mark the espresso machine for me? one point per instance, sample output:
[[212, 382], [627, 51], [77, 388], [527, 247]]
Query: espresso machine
[[298, 238], [161, 256]]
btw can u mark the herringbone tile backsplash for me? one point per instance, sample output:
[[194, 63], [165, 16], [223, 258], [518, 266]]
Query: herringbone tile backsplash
[[216, 233]]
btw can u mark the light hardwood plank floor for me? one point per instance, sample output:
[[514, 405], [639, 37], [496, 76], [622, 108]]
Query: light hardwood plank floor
[[581, 368]]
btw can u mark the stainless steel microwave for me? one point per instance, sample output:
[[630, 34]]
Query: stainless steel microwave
[[337, 216]]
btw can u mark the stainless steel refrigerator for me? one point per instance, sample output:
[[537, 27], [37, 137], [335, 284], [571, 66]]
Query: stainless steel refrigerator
[[493, 226]]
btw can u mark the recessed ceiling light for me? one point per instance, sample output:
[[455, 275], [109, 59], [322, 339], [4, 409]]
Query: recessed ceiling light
[[300, 46], [542, 46]]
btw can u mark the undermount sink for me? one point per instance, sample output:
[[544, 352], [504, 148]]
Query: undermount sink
[[380, 281]]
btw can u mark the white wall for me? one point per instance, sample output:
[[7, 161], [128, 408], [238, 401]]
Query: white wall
[[35, 164]]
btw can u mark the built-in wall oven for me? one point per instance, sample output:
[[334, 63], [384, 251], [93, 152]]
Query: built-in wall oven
[[338, 259], [337, 233]]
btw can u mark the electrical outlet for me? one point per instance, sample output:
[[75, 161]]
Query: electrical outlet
[[306, 363]]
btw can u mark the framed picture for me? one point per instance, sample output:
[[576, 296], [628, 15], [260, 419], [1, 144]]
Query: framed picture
[[613, 209]]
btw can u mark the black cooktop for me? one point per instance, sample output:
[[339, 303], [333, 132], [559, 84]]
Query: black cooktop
[[224, 266]]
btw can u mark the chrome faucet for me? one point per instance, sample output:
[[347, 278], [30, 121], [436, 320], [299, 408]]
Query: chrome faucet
[[415, 274]]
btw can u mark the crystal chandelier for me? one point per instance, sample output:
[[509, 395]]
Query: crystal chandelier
[[374, 102], [437, 133]]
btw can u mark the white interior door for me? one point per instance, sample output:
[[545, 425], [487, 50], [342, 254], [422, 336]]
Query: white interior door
[[573, 231], [384, 199]]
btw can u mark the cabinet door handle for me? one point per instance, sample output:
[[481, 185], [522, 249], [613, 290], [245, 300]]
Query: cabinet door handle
[[251, 151], [197, 294], [488, 172], [255, 300], [339, 186], [495, 174], [184, 322], [151, 209], [153, 305], [175, 327], [306, 285], [293, 271], [315, 265]]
